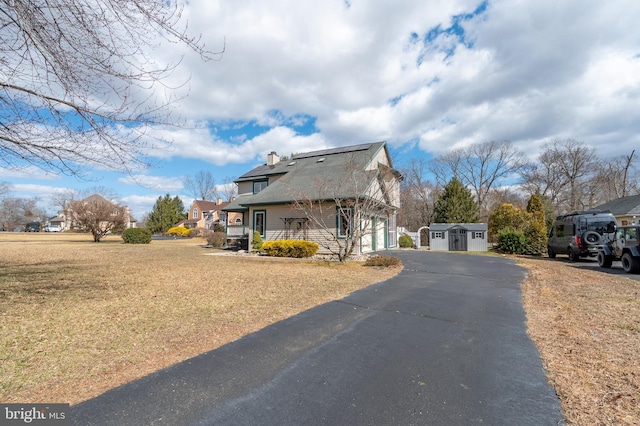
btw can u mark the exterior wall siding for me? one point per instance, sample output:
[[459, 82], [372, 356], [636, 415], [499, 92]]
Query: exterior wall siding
[[472, 244]]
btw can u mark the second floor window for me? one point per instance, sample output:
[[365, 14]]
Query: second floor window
[[195, 213], [259, 185]]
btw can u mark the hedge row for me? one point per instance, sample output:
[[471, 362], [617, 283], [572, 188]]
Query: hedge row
[[290, 248]]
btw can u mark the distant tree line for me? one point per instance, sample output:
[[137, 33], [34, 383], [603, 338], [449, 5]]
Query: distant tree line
[[566, 176]]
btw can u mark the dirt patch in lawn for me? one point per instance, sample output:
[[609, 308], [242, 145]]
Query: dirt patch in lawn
[[78, 318], [586, 324]]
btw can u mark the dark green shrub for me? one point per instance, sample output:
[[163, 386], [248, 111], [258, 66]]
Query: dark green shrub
[[405, 241], [136, 236], [219, 228], [512, 241], [216, 239], [290, 248], [383, 261], [257, 241]]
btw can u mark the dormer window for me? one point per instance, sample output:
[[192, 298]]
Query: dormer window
[[259, 185]]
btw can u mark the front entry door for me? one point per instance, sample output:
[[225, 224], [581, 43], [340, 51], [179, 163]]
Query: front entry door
[[457, 239]]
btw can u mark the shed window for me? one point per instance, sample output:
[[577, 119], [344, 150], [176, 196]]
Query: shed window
[[477, 234], [437, 234]]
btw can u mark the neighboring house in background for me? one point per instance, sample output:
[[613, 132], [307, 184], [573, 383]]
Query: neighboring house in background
[[206, 214], [626, 209], [458, 237], [65, 218], [269, 198]]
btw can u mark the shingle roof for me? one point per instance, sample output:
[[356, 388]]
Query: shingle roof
[[318, 175], [209, 205], [625, 206]]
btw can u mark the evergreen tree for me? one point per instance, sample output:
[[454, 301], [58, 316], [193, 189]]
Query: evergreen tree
[[166, 212], [536, 231], [456, 204], [506, 216]]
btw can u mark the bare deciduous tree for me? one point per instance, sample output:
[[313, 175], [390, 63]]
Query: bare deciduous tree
[[418, 196], [481, 167], [4, 189], [565, 173], [15, 212], [99, 216], [79, 85], [229, 189], [201, 186], [615, 177], [342, 211]]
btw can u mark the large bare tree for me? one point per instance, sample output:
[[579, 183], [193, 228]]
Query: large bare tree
[[480, 167], [99, 216], [201, 186], [418, 196], [566, 174], [79, 85]]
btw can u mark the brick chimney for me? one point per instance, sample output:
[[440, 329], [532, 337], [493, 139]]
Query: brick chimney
[[273, 159]]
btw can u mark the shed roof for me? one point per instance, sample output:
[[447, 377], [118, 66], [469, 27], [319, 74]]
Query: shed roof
[[467, 226]]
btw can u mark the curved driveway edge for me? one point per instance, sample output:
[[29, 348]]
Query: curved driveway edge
[[442, 343]]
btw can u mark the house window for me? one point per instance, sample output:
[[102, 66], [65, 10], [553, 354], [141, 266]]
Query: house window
[[259, 185], [259, 223], [393, 231], [437, 234], [238, 221], [195, 213], [345, 222]]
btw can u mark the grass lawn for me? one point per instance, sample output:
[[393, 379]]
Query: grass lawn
[[78, 318]]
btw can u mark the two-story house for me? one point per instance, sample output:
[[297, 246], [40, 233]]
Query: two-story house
[[327, 196]]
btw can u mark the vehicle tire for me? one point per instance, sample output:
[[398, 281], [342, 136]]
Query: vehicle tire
[[573, 256], [630, 264], [592, 237], [604, 261], [551, 253]]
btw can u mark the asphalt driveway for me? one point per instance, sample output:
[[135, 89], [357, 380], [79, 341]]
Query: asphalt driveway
[[443, 343]]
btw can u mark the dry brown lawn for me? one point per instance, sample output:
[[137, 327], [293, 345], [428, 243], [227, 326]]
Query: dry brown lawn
[[586, 324], [78, 318]]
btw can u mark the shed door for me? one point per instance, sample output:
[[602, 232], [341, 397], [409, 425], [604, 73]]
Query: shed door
[[458, 239]]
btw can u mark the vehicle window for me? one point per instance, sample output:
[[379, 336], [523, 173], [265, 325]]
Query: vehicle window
[[601, 226], [631, 234], [569, 229]]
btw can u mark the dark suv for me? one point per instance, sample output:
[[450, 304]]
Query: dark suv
[[580, 234]]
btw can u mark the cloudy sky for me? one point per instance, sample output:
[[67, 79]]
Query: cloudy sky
[[425, 76]]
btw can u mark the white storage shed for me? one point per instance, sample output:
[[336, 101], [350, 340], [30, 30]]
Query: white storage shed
[[458, 236]]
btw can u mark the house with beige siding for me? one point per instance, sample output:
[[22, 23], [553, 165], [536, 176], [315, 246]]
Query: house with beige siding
[[332, 197], [207, 214]]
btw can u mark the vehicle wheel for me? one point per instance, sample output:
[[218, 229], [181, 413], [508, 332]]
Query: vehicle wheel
[[604, 261], [592, 237], [551, 253], [630, 264], [573, 256]]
